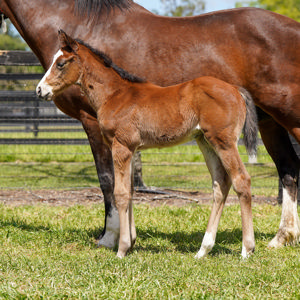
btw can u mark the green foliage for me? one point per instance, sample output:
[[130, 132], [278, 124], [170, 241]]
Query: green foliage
[[8, 42], [11, 40], [181, 8], [289, 8]]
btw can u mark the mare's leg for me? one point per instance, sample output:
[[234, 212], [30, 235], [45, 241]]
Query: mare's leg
[[221, 185], [281, 150], [138, 172], [241, 183], [104, 165], [122, 158]]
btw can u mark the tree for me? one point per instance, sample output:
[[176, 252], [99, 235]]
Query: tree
[[179, 8], [289, 8], [11, 40]]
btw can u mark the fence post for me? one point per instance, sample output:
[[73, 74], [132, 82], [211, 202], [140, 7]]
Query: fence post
[[36, 116]]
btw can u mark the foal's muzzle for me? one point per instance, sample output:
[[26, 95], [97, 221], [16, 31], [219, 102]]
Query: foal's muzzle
[[43, 93]]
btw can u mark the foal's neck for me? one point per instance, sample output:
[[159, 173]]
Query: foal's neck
[[98, 82]]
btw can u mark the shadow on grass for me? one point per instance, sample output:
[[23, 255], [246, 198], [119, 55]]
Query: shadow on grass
[[190, 242], [23, 225], [62, 236], [182, 242]]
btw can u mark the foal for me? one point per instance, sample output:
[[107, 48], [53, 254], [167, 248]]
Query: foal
[[134, 114]]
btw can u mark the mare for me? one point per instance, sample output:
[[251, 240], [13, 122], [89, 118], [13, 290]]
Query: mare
[[248, 47], [134, 114]]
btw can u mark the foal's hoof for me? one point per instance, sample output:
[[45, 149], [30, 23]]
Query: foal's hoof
[[248, 249], [121, 254], [246, 254], [201, 254]]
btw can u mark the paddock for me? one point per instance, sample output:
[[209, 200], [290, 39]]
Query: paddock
[[52, 207], [48, 251]]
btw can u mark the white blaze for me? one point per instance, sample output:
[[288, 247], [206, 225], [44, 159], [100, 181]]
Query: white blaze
[[46, 89]]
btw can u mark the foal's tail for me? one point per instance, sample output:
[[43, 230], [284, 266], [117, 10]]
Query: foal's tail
[[250, 129]]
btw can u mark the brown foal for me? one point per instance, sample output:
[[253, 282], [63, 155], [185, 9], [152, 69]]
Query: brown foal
[[135, 114]]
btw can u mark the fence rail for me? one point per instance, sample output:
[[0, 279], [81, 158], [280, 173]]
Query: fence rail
[[18, 58], [22, 111]]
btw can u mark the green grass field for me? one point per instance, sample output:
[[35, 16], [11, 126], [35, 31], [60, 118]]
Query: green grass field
[[49, 253], [65, 166]]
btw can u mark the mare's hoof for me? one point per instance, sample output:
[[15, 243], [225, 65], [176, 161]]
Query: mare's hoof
[[285, 238], [108, 241]]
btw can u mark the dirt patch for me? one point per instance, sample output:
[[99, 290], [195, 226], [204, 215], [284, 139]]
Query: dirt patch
[[93, 195]]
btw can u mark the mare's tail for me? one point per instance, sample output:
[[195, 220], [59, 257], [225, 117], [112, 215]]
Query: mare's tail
[[250, 129]]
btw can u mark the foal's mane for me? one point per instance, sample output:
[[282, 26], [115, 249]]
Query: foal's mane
[[93, 8], [110, 64]]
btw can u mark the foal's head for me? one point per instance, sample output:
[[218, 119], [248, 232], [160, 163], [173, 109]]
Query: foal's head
[[66, 69]]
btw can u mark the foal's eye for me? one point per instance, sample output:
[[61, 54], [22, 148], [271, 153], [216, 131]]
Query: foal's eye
[[60, 64]]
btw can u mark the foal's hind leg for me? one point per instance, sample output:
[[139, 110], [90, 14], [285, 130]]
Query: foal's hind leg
[[221, 185], [242, 186]]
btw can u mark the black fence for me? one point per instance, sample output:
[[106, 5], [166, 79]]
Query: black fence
[[22, 111]]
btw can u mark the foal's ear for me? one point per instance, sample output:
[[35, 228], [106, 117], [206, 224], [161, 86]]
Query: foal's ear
[[66, 42]]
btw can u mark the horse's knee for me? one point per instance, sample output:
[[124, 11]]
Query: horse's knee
[[242, 185], [221, 188], [122, 202]]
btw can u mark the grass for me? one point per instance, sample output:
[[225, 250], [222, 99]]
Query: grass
[[49, 252], [65, 166], [45, 132], [185, 168]]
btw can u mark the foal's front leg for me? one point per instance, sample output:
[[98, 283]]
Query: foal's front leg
[[104, 165], [122, 158]]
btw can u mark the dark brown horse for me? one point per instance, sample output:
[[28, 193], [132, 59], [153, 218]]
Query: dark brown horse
[[253, 48], [134, 114]]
